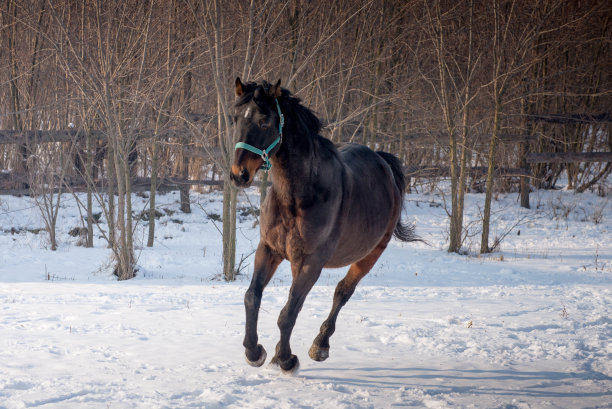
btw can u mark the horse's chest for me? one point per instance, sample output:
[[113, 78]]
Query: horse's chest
[[285, 238], [297, 228]]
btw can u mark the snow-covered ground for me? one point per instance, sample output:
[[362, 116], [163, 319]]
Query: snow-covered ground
[[529, 326]]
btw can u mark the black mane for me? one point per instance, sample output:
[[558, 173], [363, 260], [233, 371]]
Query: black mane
[[299, 120]]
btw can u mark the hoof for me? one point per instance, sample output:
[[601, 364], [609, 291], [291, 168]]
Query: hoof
[[288, 367], [318, 353], [258, 358]]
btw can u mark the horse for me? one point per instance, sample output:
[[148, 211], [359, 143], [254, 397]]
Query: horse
[[326, 207]]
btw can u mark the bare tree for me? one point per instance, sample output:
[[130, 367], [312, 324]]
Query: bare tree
[[513, 36], [110, 75], [209, 15], [48, 169], [453, 91]]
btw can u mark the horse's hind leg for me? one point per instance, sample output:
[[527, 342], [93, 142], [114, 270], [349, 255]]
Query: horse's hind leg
[[265, 266], [345, 288]]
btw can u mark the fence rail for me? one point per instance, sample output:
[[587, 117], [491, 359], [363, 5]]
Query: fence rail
[[31, 137], [74, 135], [569, 157], [138, 185]]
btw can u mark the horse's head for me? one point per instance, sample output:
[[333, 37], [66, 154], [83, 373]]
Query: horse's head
[[258, 123]]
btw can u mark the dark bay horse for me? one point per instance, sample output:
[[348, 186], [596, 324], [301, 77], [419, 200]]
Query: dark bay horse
[[326, 208]]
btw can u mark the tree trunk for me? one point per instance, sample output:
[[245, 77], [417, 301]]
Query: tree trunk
[[129, 229], [112, 180], [263, 189], [15, 106], [152, 193], [90, 180], [122, 269], [484, 242], [465, 157], [524, 186], [184, 189], [455, 227], [229, 229]]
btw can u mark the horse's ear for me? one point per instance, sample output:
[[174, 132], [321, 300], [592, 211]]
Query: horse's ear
[[276, 89], [239, 85]]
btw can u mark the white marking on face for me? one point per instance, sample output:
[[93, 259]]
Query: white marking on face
[[248, 112]]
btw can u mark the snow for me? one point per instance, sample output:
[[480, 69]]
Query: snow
[[528, 326]]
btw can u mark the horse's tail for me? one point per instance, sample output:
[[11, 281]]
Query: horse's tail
[[403, 231]]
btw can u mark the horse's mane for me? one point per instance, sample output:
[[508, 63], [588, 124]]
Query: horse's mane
[[299, 120]]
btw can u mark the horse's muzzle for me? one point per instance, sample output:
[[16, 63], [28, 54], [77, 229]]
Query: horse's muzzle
[[241, 178]]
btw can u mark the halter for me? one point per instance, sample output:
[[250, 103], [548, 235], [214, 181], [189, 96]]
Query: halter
[[265, 153]]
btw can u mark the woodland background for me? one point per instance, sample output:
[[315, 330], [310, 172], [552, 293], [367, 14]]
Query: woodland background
[[116, 97]]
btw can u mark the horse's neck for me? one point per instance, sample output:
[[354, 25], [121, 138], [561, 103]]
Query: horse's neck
[[292, 170]]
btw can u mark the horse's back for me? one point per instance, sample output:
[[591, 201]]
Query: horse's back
[[369, 174], [360, 158]]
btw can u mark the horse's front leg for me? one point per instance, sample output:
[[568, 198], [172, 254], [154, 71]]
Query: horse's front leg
[[266, 263], [304, 277]]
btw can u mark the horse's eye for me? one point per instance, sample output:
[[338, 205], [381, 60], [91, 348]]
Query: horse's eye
[[263, 124]]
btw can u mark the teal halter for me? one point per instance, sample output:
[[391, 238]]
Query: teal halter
[[265, 153]]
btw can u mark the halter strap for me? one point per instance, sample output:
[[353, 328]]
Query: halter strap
[[265, 152]]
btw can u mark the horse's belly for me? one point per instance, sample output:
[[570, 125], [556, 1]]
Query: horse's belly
[[353, 248], [343, 260]]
